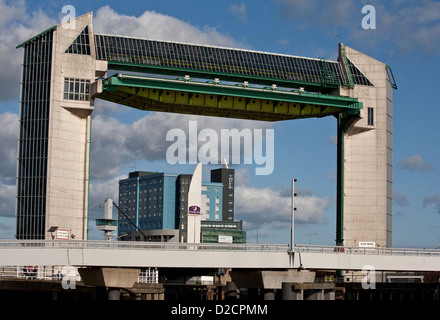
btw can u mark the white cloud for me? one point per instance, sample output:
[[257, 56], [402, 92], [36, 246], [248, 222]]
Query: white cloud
[[108, 147], [415, 162], [8, 147], [238, 11], [409, 25], [435, 200], [115, 143], [155, 25], [400, 199], [101, 190], [7, 200], [264, 205], [241, 177], [16, 26]]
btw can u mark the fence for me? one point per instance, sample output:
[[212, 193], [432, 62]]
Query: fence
[[55, 273]]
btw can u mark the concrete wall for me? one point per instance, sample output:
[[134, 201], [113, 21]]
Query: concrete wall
[[69, 136], [368, 158]]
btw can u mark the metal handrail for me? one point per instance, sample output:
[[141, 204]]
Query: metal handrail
[[170, 246]]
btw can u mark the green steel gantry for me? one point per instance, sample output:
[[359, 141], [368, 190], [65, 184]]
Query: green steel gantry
[[235, 100]]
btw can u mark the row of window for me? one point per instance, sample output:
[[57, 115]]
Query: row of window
[[217, 189], [76, 89], [142, 215], [152, 224], [33, 139]]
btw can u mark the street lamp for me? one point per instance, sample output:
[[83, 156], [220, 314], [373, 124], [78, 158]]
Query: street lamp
[[292, 242]]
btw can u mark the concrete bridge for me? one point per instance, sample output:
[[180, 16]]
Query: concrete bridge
[[234, 256]]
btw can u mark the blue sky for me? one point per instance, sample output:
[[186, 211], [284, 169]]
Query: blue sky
[[407, 37]]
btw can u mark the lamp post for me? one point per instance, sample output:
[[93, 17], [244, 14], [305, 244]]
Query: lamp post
[[292, 230]]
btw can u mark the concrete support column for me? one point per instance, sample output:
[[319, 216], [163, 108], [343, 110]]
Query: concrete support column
[[231, 291], [114, 294], [269, 294], [289, 292], [316, 294], [329, 294]]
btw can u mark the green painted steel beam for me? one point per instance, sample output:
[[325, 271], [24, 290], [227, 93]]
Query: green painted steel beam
[[36, 36], [224, 100], [325, 86]]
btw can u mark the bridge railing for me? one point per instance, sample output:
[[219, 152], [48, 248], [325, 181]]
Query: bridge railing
[[170, 246], [136, 245], [366, 250]]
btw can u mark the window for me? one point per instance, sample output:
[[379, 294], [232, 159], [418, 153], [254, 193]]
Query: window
[[371, 116], [76, 89], [81, 45]]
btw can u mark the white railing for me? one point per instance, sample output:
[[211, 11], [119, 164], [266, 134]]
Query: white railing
[[32, 272], [170, 246], [90, 244], [150, 275], [55, 273], [367, 250]]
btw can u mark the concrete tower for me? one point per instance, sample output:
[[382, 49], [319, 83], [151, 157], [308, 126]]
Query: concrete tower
[[53, 186], [367, 162]]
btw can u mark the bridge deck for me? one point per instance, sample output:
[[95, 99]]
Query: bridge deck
[[182, 255]]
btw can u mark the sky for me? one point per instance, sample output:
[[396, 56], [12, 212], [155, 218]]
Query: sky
[[406, 37]]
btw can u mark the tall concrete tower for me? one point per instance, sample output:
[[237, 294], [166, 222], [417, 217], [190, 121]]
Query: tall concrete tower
[[58, 68], [366, 154]]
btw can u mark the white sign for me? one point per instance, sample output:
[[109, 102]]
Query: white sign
[[224, 239], [367, 244], [62, 234]]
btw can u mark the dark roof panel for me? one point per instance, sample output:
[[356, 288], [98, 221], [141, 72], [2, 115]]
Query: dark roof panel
[[237, 63]]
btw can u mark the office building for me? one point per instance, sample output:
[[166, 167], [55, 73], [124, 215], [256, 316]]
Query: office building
[[157, 203], [225, 176], [148, 199]]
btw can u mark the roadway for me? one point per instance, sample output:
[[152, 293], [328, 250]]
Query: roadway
[[183, 255]]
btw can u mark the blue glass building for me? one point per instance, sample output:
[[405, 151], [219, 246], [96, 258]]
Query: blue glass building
[[155, 202], [149, 199], [212, 194]]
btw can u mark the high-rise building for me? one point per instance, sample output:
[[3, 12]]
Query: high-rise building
[[212, 204], [148, 199], [225, 176], [157, 203]]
